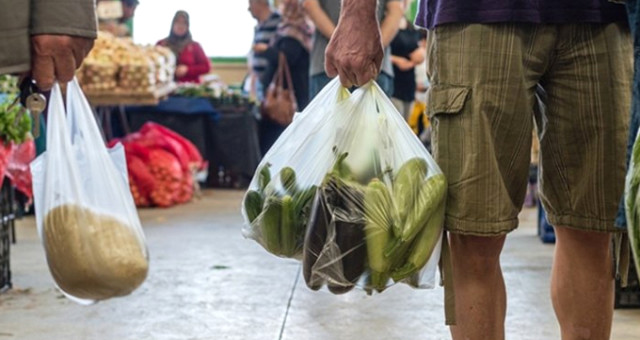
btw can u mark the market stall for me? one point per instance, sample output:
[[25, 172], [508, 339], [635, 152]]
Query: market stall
[[17, 150], [221, 123], [118, 72], [129, 85]]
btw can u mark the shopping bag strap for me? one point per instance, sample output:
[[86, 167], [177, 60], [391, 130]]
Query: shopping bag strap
[[285, 75]]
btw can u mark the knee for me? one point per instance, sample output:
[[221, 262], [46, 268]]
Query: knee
[[476, 254]]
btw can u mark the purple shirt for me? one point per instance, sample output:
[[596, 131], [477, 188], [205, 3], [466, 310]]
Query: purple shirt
[[432, 13]]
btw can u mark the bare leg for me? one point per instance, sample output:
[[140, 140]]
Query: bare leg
[[481, 299], [582, 284]]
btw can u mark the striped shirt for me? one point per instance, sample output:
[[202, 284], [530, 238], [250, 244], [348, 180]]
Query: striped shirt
[[264, 33]]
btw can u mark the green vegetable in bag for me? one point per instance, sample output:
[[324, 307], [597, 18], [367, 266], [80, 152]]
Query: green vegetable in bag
[[378, 207], [288, 224], [288, 179], [432, 192], [264, 177], [422, 247], [270, 223], [253, 205], [406, 188]]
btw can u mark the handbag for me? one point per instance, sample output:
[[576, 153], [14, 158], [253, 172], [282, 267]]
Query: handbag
[[280, 102]]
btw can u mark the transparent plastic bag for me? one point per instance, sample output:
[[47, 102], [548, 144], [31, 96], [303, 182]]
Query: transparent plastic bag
[[85, 213], [349, 189], [632, 201]]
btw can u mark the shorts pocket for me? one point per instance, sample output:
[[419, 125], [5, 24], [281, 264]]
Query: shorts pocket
[[446, 99]]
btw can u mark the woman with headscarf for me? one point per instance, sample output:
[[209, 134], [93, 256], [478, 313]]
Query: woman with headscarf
[[293, 39], [192, 62]]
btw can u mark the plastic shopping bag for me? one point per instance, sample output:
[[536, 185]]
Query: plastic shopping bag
[[632, 201], [85, 213], [349, 189]]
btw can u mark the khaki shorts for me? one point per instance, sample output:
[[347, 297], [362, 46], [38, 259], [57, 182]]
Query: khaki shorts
[[486, 82]]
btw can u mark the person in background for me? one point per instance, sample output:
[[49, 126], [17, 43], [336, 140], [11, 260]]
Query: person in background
[[192, 62], [293, 39], [48, 38], [325, 14], [122, 27], [265, 32], [406, 54]]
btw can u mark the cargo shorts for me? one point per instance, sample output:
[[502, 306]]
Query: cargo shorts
[[492, 83]]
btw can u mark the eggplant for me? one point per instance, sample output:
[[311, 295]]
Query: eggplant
[[314, 240], [349, 222]]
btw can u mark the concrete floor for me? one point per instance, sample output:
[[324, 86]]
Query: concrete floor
[[207, 282]]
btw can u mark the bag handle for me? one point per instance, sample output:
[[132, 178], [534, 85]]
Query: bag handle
[[59, 144], [80, 117], [287, 72]]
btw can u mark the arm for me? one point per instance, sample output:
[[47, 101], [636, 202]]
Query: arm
[[202, 65], [62, 35], [417, 56], [391, 22], [323, 23], [355, 51]]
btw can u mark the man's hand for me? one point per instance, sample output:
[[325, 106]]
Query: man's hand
[[56, 57], [181, 70], [355, 51], [260, 47]]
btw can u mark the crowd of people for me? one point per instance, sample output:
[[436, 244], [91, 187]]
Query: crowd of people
[[301, 30]]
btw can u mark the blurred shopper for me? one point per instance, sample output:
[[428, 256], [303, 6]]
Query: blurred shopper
[[49, 38], [325, 14], [191, 62], [293, 40], [123, 26], [265, 31], [406, 54]]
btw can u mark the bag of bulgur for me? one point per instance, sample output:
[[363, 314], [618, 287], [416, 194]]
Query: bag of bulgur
[[86, 217]]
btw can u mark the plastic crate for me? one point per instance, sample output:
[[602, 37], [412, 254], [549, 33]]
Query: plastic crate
[[7, 228], [545, 230], [629, 297]]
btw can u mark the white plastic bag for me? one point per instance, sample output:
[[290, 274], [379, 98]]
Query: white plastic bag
[[85, 213], [350, 190]]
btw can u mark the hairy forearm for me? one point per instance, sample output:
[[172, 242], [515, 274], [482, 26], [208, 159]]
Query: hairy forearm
[[359, 8]]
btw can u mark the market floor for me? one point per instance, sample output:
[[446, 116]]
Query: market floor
[[207, 282]]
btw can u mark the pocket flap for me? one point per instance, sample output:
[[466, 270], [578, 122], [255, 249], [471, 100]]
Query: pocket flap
[[446, 99]]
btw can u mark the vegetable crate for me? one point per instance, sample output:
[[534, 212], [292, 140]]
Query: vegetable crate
[[629, 297], [7, 221], [545, 230]]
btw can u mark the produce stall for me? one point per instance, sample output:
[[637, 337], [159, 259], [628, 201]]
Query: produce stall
[[17, 150], [221, 123], [118, 72]]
